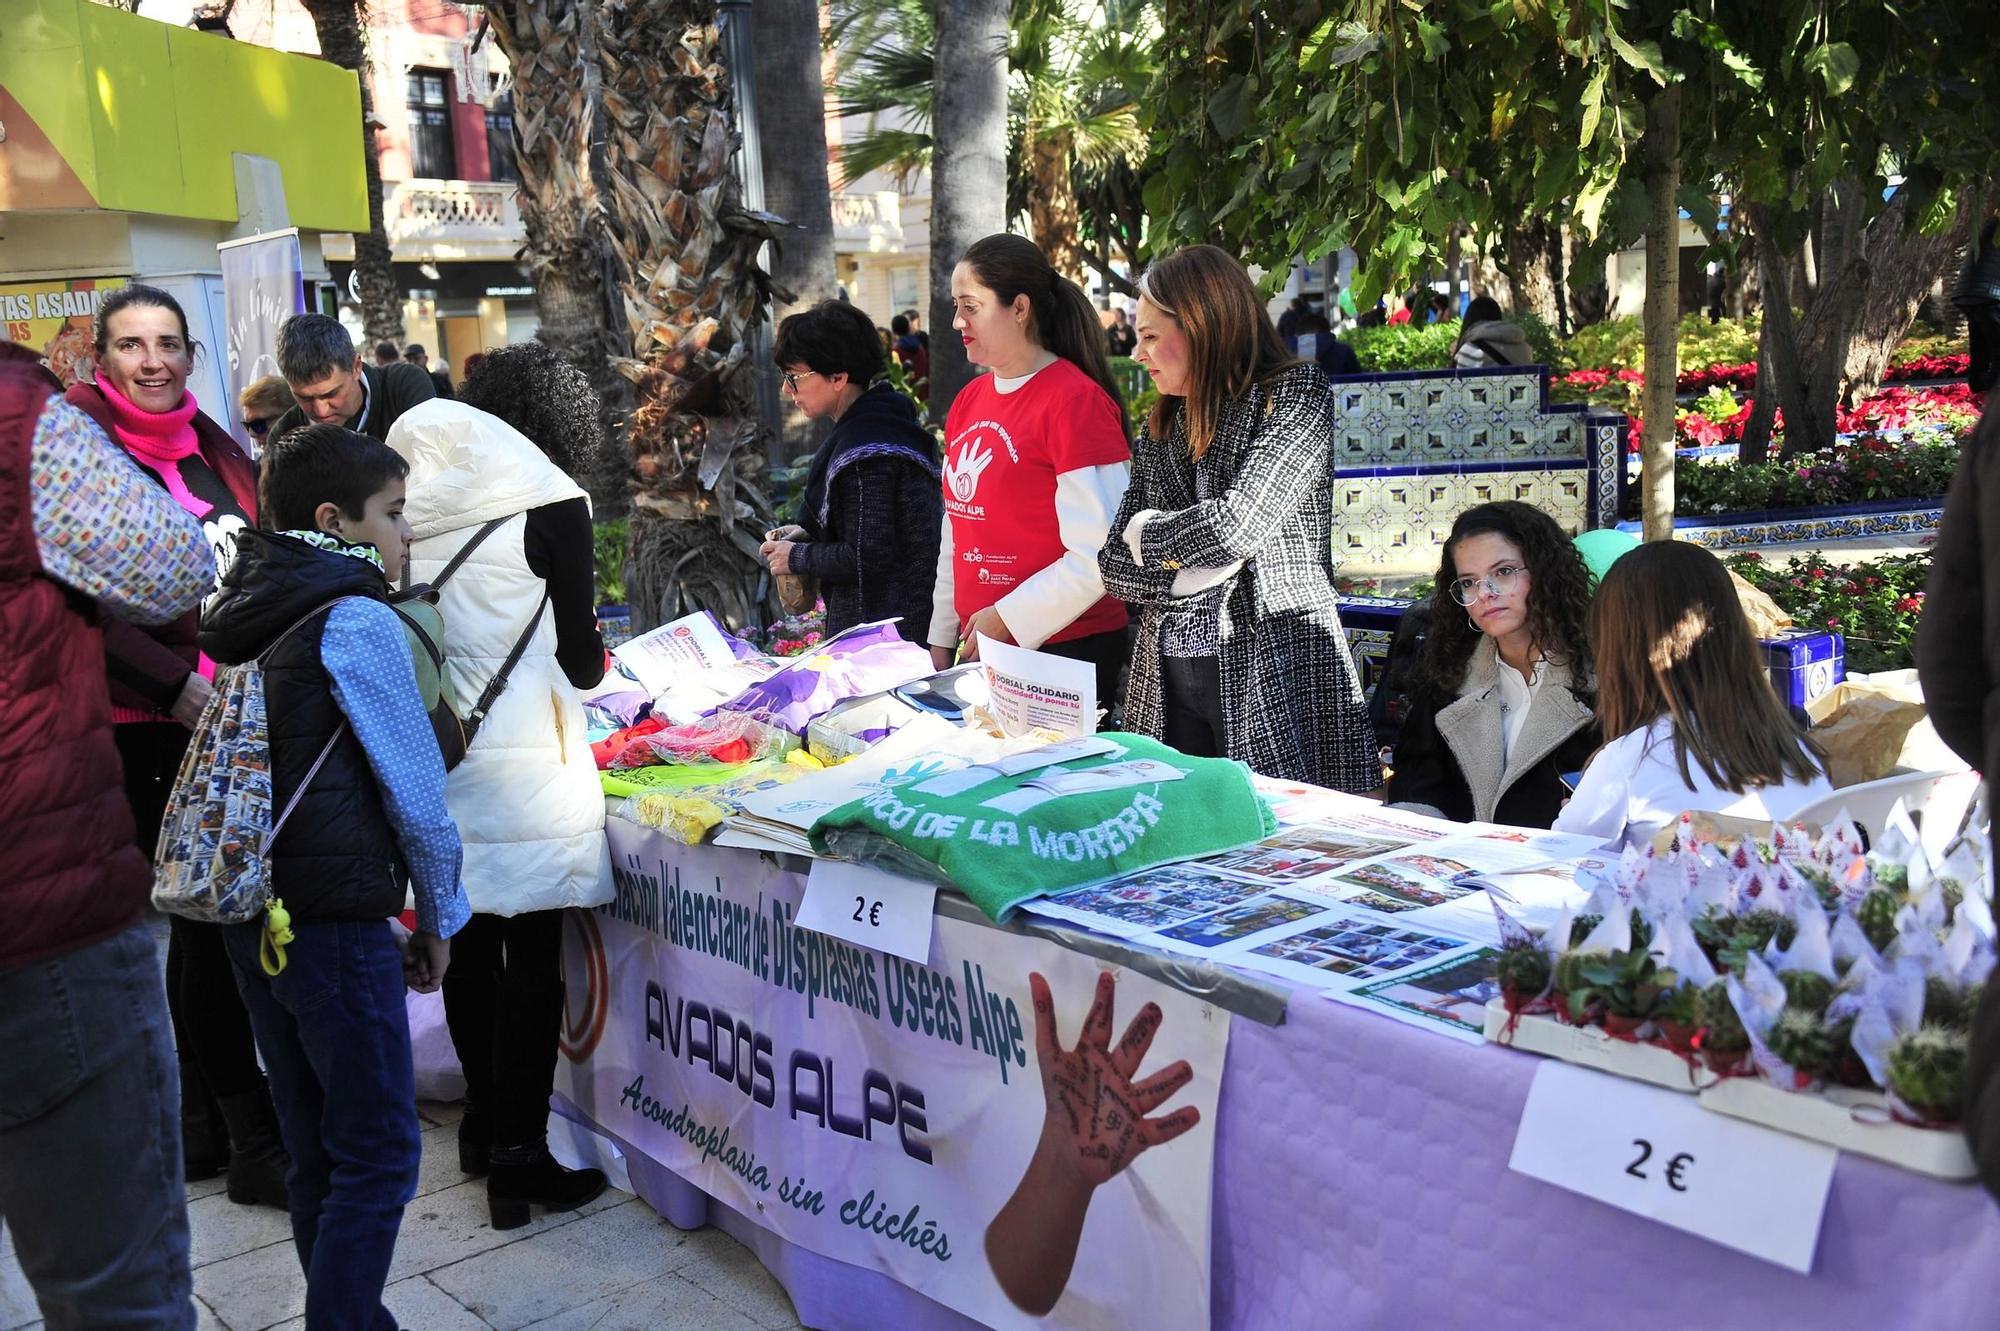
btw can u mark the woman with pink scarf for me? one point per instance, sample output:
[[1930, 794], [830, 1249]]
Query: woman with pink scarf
[[159, 685]]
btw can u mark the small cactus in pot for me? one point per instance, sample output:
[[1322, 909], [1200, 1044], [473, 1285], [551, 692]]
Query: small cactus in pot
[[1927, 1073]]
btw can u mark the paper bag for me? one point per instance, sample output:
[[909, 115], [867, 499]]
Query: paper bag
[[1766, 619], [1873, 725]]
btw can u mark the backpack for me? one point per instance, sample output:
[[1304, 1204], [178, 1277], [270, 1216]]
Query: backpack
[[213, 859], [423, 623]]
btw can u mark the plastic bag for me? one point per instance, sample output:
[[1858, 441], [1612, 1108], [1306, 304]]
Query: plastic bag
[[726, 738]]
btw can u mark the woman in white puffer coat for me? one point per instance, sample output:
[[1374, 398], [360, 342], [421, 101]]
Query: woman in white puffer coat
[[526, 797]]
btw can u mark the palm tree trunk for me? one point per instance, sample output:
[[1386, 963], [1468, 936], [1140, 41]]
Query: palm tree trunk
[[677, 226], [791, 93], [338, 24], [969, 165], [551, 45], [1052, 208]]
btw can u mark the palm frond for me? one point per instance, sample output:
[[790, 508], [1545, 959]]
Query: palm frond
[[1108, 137], [901, 153]]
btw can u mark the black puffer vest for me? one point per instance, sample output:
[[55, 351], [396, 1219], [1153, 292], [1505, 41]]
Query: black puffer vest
[[336, 858]]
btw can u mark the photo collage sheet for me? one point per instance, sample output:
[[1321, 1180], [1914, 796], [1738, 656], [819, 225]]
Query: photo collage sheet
[[1372, 906]]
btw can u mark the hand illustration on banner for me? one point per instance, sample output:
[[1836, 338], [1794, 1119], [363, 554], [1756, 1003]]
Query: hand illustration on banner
[[1096, 1126]]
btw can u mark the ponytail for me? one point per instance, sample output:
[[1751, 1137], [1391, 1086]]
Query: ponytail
[[1064, 321]]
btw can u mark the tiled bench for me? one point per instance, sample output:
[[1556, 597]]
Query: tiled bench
[[1413, 450]]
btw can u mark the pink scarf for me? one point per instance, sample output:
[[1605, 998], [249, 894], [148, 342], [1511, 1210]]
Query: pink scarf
[[159, 440]]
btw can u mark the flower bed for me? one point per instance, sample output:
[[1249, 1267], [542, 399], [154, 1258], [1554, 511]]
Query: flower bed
[[1865, 469], [1876, 605], [1609, 387]]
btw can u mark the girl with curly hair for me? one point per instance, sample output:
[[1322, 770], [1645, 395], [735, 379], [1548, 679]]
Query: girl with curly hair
[[1502, 709]]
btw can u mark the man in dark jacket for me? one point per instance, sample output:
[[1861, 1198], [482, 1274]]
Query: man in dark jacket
[[90, 1142], [1978, 296], [417, 356], [333, 385], [1958, 662]]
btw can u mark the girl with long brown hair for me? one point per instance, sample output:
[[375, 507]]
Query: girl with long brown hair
[[1035, 463], [1224, 541], [1500, 709], [1681, 687]]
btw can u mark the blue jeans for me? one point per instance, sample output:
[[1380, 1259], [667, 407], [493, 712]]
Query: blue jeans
[[90, 1137], [336, 1043]]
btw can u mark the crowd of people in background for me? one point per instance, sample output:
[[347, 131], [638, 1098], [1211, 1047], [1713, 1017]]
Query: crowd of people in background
[[1187, 559]]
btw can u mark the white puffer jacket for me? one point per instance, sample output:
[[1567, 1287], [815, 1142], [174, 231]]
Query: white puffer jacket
[[526, 798]]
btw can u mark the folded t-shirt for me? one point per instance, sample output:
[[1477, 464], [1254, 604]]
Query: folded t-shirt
[[1003, 839]]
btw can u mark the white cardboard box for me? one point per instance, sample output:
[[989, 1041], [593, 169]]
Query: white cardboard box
[[1590, 1047], [1853, 1120]]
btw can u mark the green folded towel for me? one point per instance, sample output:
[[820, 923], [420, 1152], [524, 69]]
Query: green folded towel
[[1005, 839]]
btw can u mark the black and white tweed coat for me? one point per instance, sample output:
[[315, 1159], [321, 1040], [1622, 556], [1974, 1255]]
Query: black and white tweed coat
[[1290, 695]]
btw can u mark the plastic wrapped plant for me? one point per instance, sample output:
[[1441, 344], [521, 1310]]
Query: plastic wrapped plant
[[1927, 1073], [1802, 1039], [1808, 991], [1523, 972], [1724, 1042], [1943, 1004], [1679, 1015], [1877, 917]]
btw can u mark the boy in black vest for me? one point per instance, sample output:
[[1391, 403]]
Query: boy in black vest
[[346, 724]]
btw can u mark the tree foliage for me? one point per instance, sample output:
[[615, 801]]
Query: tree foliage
[[1077, 72]]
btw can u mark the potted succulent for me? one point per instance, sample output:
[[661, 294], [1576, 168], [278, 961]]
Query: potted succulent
[[1800, 1036], [1623, 989], [1568, 974], [1523, 972], [1927, 1076], [1679, 1017], [1877, 916], [1723, 1042]]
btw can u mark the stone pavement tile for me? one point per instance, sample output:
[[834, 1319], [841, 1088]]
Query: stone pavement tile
[[208, 1187], [438, 1169], [418, 1305], [255, 1289], [733, 1274], [221, 1229], [438, 1111], [668, 1304], [451, 1225], [567, 1267], [17, 1300], [205, 1318]]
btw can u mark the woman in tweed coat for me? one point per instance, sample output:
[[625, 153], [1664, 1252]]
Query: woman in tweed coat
[[1224, 542]]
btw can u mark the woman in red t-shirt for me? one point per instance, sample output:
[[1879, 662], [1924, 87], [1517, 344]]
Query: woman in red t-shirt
[[1036, 460]]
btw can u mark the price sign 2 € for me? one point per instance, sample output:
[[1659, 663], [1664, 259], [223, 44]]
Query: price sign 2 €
[[870, 908], [1660, 1155]]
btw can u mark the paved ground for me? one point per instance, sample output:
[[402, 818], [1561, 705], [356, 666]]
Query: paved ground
[[616, 1266]]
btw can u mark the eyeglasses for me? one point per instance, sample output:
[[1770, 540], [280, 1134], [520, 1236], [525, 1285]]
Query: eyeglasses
[[792, 379], [1500, 582], [258, 425]]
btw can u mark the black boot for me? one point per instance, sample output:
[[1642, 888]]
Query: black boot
[[475, 1138], [257, 1160], [204, 1138], [525, 1176]]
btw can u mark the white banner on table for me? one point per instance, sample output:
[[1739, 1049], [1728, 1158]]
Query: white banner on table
[[908, 1119]]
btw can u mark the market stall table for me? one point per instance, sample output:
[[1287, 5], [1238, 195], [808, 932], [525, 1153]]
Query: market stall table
[[1361, 1180]]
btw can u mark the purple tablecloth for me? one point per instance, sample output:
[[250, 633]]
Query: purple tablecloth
[[1361, 1182]]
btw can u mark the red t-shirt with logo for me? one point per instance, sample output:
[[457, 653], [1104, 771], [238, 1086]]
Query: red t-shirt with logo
[[1003, 452]]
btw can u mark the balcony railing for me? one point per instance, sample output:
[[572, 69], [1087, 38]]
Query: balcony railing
[[870, 223], [453, 219]]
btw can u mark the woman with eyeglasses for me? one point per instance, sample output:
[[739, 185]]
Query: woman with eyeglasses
[[1501, 710], [869, 520], [262, 403], [159, 686]]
